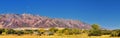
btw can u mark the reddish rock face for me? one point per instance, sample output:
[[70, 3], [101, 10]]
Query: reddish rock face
[[27, 20]]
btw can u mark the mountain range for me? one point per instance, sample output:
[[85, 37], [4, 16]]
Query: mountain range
[[36, 21]]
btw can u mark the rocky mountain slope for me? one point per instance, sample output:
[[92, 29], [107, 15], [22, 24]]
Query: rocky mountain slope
[[36, 21]]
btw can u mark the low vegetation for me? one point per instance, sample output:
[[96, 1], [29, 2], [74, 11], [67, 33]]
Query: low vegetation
[[95, 31]]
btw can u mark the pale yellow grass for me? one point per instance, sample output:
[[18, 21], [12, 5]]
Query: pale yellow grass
[[56, 36]]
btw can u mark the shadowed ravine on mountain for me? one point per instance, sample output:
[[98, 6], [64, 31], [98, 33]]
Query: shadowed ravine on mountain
[[36, 21]]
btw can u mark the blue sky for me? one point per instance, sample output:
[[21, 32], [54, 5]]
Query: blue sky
[[103, 12]]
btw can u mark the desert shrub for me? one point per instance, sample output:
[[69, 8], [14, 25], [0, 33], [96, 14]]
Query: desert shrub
[[76, 31], [37, 32], [95, 33], [42, 30], [115, 33], [68, 31], [59, 32], [19, 32], [28, 31], [54, 30], [10, 31], [48, 33], [1, 30], [106, 32]]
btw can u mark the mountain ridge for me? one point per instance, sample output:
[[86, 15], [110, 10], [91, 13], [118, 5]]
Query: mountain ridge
[[36, 21]]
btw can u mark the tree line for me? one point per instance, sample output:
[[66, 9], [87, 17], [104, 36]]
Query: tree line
[[94, 31], [51, 31]]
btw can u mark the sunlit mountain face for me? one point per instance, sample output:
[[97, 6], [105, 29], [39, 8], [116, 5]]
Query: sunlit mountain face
[[36, 21]]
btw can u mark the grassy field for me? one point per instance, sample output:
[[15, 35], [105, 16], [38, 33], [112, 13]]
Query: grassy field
[[56, 36]]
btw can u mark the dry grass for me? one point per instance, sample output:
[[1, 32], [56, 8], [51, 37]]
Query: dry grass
[[56, 36]]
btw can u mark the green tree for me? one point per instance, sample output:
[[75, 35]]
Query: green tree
[[95, 31], [95, 27]]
